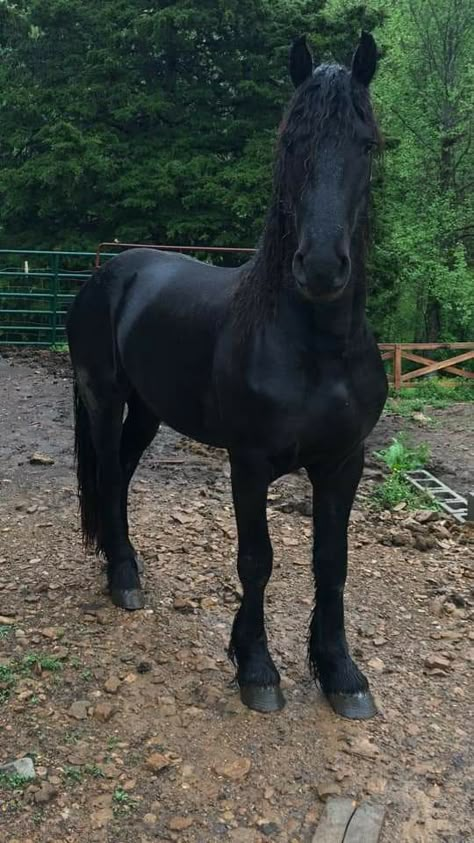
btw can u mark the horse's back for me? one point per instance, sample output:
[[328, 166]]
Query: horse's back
[[167, 311]]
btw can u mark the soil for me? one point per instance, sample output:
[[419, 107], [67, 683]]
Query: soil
[[133, 721]]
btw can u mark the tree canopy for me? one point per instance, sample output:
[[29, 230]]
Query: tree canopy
[[156, 123]]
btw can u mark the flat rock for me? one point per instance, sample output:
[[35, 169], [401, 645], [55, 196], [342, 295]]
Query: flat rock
[[103, 712], [112, 685], [334, 821], [46, 793], [437, 662], [325, 790], [21, 767], [157, 762], [41, 459], [180, 823], [235, 770], [79, 709]]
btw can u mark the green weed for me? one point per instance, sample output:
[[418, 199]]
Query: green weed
[[17, 668], [5, 631], [400, 457], [122, 801], [433, 392], [13, 781]]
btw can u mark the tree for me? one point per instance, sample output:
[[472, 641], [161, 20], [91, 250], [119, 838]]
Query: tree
[[423, 261], [146, 122]]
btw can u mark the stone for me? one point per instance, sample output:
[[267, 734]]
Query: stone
[[377, 664], [157, 762], [363, 748], [41, 459], [46, 793], [112, 685], [327, 789], [103, 712], [233, 770], [244, 835], [437, 662], [150, 819], [21, 767], [180, 823], [79, 709]]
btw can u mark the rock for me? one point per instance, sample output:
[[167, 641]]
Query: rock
[[180, 823], [79, 709], [103, 712], [157, 762], [184, 605], [325, 790], [244, 835], [100, 818], [205, 663], [377, 664], [46, 793], [52, 632], [437, 662], [234, 770], [379, 642], [364, 748], [150, 819], [424, 542], [400, 538], [21, 767], [112, 685], [41, 459]]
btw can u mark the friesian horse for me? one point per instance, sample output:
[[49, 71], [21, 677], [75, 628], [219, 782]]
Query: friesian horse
[[273, 361]]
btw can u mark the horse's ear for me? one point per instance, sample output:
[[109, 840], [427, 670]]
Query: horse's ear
[[364, 62], [301, 61]]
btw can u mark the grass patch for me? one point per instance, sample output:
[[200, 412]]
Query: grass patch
[[400, 457], [18, 668], [429, 392], [5, 631], [13, 781], [123, 803]]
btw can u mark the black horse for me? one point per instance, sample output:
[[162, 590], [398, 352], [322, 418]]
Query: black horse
[[273, 361]]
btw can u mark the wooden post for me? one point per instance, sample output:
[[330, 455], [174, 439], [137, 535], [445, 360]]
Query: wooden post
[[397, 366]]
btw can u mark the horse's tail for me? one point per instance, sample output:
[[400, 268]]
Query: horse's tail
[[86, 468]]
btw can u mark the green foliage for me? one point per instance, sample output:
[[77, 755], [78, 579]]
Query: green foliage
[[422, 264], [429, 393], [13, 781], [396, 490], [147, 122], [5, 630], [400, 457], [17, 668], [157, 123]]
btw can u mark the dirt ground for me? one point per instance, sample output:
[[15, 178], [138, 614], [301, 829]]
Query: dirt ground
[[133, 720]]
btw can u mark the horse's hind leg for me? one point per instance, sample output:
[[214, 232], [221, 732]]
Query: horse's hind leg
[[138, 432], [105, 409], [257, 676]]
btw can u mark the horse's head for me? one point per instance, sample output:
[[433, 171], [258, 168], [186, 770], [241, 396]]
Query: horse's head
[[326, 146]]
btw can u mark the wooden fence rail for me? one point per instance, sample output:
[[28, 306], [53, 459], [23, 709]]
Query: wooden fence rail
[[396, 353]]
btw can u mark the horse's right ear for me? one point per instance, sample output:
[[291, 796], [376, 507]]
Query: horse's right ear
[[301, 61]]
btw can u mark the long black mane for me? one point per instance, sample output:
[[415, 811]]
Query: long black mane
[[327, 105]]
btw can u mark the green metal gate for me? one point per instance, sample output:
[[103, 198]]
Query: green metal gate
[[36, 288]]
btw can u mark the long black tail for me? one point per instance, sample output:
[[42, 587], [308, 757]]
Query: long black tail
[[86, 468]]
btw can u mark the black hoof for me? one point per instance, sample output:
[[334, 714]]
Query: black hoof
[[128, 598], [263, 698], [353, 706]]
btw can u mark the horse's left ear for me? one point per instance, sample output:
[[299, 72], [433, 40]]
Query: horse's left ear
[[364, 62], [301, 61]]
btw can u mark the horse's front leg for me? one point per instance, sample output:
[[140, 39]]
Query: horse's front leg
[[258, 678], [343, 683]]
